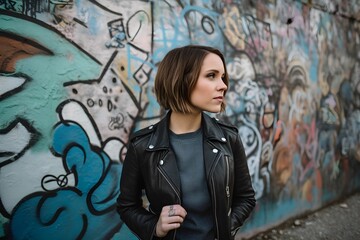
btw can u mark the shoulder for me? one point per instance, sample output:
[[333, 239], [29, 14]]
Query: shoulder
[[232, 133], [226, 126], [142, 133]]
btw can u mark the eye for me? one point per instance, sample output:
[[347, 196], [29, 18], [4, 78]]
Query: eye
[[211, 75]]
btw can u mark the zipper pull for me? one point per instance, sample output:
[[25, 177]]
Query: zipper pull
[[227, 191]]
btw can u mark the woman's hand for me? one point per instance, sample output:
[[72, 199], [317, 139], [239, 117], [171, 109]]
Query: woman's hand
[[170, 218]]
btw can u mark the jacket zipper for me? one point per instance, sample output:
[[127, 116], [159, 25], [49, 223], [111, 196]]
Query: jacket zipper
[[176, 192], [214, 208], [227, 188], [214, 197]]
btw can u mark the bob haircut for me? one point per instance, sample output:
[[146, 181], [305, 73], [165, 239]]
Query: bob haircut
[[177, 76]]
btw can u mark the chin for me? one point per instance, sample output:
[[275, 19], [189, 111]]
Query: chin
[[213, 110]]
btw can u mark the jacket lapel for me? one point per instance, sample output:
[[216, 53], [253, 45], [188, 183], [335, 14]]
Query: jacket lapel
[[171, 169], [159, 142], [213, 138]]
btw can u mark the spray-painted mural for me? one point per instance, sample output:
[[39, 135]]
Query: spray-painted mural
[[77, 80]]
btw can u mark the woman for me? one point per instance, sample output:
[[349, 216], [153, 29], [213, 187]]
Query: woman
[[192, 167]]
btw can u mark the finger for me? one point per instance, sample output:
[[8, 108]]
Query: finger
[[178, 208], [179, 211], [171, 211], [169, 221], [162, 228], [175, 219], [170, 226]]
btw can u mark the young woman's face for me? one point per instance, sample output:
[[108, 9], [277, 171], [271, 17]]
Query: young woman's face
[[208, 94]]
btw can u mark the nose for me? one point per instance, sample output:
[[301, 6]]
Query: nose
[[221, 85]]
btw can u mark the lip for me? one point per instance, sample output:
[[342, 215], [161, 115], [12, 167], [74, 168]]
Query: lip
[[219, 98]]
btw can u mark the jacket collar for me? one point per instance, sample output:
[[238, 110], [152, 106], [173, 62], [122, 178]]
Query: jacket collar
[[160, 137]]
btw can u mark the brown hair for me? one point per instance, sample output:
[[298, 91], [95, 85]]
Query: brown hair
[[178, 73]]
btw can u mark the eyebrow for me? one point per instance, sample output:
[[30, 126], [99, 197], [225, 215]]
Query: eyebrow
[[213, 70]]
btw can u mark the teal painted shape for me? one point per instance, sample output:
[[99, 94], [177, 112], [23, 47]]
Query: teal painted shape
[[84, 211], [124, 233], [2, 222], [39, 97]]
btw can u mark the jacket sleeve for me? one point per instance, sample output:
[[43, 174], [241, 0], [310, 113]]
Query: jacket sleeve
[[129, 203], [243, 201]]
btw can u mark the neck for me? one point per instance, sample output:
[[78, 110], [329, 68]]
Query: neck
[[184, 122]]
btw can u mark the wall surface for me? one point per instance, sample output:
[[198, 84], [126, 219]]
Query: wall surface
[[76, 78]]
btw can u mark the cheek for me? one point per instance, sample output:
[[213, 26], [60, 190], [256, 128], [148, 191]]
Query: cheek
[[201, 88], [195, 96]]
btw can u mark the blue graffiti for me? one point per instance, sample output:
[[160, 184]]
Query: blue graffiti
[[86, 210]]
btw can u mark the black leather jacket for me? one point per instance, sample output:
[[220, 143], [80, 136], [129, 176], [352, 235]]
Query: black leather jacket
[[150, 164]]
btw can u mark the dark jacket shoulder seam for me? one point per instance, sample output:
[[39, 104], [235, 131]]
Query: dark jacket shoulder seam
[[228, 128]]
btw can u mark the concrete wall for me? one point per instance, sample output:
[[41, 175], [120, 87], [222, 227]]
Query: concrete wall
[[76, 78]]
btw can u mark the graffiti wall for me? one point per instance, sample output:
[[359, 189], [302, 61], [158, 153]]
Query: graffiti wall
[[76, 79]]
